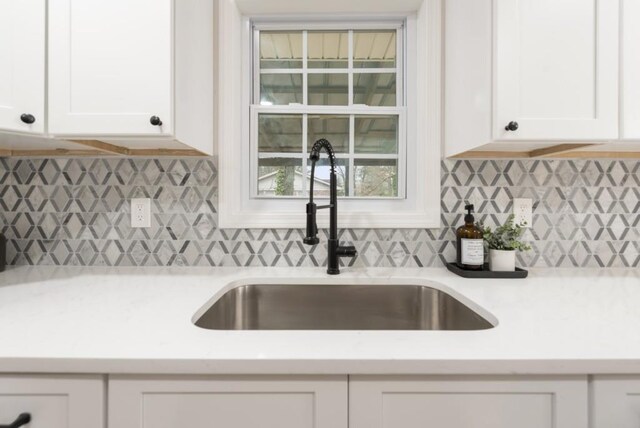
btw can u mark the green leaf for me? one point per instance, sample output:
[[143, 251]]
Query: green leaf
[[505, 237]]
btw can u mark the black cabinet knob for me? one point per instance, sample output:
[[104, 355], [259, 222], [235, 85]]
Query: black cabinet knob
[[23, 419], [155, 121], [27, 118], [512, 126]]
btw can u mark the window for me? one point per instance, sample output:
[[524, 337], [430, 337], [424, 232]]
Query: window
[[291, 72], [344, 85]]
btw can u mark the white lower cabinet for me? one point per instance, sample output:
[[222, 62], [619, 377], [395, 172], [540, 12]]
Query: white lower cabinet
[[468, 402], [616, 402], [322, 401], [53, 402], [228, 402]]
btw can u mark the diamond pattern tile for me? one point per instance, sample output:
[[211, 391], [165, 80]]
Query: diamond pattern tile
[[76, 212]]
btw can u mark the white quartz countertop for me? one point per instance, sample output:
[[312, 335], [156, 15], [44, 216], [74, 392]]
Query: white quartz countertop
[[139, 320]]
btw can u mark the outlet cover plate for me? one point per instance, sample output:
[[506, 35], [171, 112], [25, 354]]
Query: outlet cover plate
[[523, 212], [140, 212]]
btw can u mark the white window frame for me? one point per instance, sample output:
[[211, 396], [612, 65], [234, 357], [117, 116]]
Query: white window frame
[[238, 208]]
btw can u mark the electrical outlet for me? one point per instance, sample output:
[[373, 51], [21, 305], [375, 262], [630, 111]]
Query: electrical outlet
[[141, 212], [523, 212]]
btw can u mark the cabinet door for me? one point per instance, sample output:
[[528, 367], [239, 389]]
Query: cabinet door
[[22, 64], [630, 69], [451, 402], [230, 402], [556, 69], [53, 402], [616, 402], [110, 67]]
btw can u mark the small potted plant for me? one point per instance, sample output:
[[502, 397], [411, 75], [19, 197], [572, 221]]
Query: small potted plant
[[502, 244]]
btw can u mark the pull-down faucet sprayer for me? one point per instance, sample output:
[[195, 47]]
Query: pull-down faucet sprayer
[[335, 250]]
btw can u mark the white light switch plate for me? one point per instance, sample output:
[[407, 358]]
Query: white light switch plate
[[141, 212], [523, 212]]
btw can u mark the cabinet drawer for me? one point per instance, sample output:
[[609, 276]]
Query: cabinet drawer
[[468, 402], [616, 402], [53, 402], [231, 402]]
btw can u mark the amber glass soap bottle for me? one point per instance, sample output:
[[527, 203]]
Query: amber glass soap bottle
[[470, 244]]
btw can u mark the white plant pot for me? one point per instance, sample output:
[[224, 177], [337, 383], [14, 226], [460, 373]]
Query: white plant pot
[[502, 260]]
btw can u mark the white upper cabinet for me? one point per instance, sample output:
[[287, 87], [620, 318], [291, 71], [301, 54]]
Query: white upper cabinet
[[556, 69], [110, 67], [134, 73], [630, 69], [535, 71], [22, 65]]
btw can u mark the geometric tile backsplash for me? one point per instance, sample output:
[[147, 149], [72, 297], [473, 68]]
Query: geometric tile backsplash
[[76, 212]]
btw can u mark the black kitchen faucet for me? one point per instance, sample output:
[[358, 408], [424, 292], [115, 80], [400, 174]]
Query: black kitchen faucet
[[335, 249]]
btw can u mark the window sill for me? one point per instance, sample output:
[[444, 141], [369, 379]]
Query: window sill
[[352, 220]]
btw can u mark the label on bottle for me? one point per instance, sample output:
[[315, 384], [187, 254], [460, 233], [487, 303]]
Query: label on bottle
[[472, 252]]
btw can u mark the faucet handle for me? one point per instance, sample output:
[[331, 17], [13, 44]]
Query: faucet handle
[[347, 251]]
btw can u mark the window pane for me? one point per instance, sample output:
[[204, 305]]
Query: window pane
[[328, 49], [280, 49], [280, 89], [374, 49], [280, 133], [332, 128], [376, 177], [323, 170], [375, 89], [328, 89], [376, 134], [280, 177]]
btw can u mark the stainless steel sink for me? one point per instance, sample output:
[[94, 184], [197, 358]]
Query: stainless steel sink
[[339, 307]]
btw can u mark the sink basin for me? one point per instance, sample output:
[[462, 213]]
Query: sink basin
[[339, 307]]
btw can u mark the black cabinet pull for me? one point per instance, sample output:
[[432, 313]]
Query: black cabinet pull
[[23, 419], [27, 118], [512, 126], [155, 121]]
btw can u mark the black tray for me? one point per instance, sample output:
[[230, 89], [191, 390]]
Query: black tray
[[485, 272]]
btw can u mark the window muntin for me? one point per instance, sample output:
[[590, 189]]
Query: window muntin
[[343, 85]]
